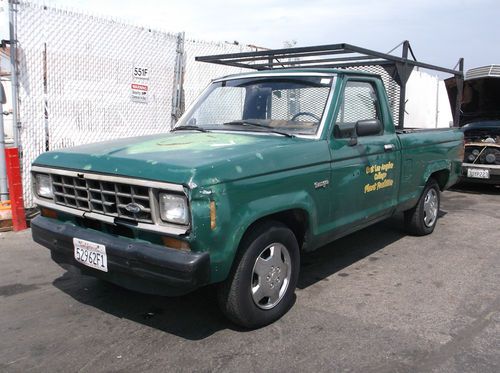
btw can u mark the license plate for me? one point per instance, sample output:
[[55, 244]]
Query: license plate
[[478, 173], [91, 254]]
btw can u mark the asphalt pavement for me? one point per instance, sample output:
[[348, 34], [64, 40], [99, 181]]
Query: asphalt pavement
[[375, 301]]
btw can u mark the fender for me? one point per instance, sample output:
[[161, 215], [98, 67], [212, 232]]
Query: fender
[[435, 166], [222, 258]]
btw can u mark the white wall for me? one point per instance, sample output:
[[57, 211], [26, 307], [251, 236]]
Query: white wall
[[427, 104], [4, 19]]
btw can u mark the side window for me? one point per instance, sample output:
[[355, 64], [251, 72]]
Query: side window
[[359, 102]]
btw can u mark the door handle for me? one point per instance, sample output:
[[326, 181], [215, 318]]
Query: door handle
[[389, 147]]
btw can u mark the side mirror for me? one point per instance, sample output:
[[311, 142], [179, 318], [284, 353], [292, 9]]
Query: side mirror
[[368, 127], [3, 98]]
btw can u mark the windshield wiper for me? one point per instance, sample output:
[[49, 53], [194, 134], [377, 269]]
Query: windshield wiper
[[188, 128], [257, 124]]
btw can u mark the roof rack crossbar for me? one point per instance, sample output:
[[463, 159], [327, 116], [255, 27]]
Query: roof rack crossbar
[[269, 52], [308, 63], [274, 56]]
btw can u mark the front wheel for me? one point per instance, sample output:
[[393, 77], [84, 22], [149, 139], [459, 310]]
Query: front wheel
[[421, 219], [260, 288]]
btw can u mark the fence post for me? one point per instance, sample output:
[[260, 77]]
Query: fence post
[[13, 69], [12, 154], [178, 84]]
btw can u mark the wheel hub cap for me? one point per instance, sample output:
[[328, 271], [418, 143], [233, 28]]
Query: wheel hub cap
[[430, 208], [270, 276]]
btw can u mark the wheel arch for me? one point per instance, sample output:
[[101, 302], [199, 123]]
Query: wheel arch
[[438, 170], [296, 219], [441, 177]]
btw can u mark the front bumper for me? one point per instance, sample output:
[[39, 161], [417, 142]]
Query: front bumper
[[139, 266], [494, 171]]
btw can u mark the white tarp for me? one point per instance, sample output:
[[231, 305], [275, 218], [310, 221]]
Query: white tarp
[[427, 104]]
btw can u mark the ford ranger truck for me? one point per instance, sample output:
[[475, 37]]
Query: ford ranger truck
[[263, 166]]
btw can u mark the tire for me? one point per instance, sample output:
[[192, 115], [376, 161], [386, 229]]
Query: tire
[[421, 220], [260, 288]]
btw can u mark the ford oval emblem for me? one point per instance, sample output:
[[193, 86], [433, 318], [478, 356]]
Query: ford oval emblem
[[133, 207]]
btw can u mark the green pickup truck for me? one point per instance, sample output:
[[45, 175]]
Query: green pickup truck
[[264, 165]]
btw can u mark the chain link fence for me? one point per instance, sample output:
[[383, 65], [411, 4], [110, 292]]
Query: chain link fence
[[198, 75], [392, 88], [84, 79]]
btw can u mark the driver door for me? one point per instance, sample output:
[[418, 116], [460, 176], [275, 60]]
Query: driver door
[[365, 175]]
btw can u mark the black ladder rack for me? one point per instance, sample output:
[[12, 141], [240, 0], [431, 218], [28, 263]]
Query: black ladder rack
[[342, 56]]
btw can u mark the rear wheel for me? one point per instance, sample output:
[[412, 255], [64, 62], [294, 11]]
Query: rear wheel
[[260, 288], [421, 219]]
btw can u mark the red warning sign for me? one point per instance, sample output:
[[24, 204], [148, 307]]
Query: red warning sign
[[139, 87], [139, 92]]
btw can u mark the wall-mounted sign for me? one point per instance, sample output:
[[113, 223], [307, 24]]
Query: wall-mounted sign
[[139, 93], [140, 72]]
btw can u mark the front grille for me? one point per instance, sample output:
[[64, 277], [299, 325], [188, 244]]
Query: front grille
[[488, 155], [102, 197]]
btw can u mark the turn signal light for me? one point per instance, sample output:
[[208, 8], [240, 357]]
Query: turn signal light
[[48, 213], [174, 243], [213, 215]]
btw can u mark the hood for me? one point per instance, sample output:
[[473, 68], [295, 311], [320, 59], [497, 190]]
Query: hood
[[190, 158], [479, 99]]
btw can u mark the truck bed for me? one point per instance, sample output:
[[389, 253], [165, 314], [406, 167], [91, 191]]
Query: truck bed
[[420, 130]]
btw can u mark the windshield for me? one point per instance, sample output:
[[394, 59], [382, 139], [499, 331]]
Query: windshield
[[279, 104]]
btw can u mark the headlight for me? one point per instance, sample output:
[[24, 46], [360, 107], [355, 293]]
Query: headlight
[[43, 186], [174, 208]]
